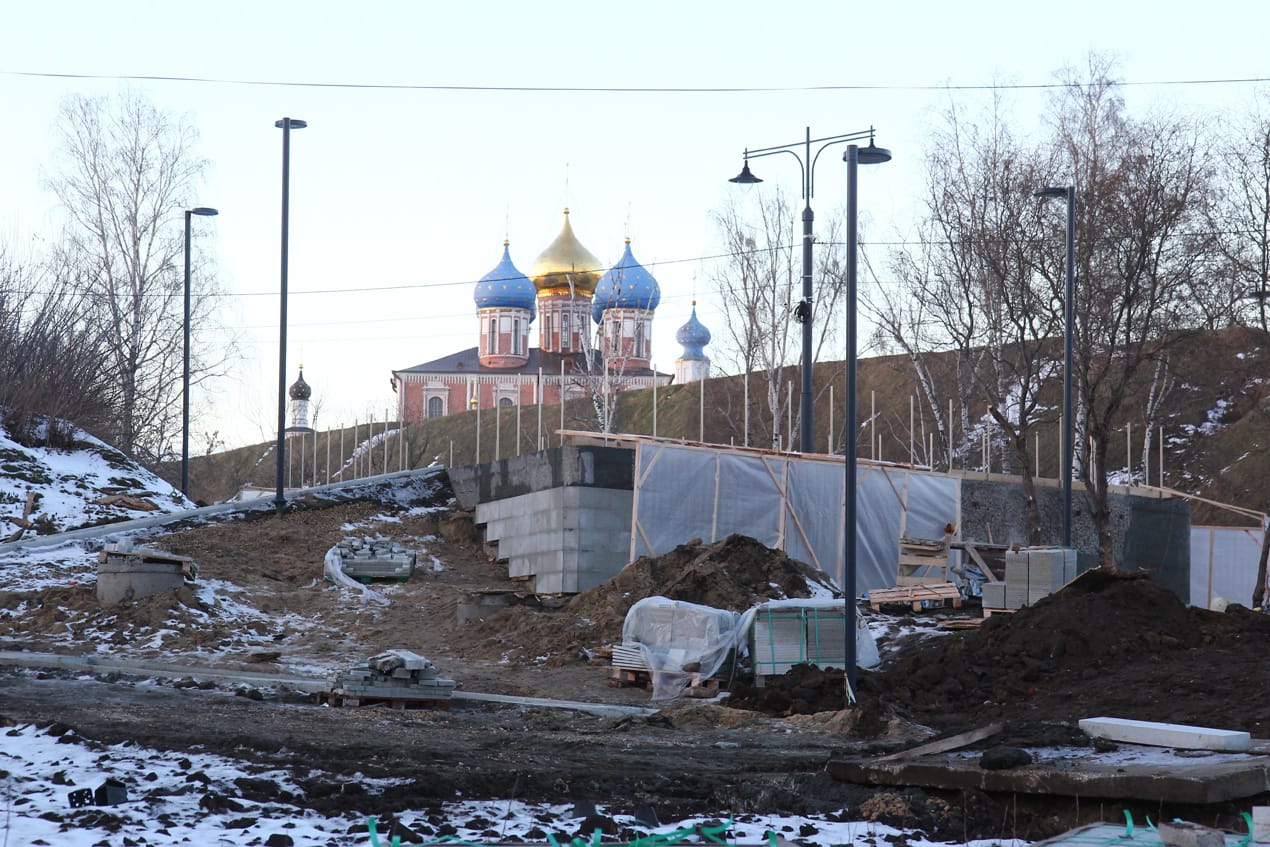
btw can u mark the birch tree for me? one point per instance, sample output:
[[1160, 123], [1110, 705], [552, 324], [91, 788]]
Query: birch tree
[[760, 286], [124, 174]]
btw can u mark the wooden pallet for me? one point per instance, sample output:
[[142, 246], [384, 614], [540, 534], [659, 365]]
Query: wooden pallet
[[916, 596], [626, 678], [922, 562], [987, 613], [330, 698], [698, 686]]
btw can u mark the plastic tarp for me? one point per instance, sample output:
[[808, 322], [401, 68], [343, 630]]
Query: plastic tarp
[[787, 502], [807, 631], [1224, 564], [333, 569], [679, 640]]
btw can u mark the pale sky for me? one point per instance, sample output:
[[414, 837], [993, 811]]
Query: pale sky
[[402, 192]]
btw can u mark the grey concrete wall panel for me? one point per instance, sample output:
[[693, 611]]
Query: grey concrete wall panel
[[556, 467], [564, 540], [1224, 563], [1158, 538]]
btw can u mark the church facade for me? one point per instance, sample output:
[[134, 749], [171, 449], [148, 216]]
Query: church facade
[[556, 305]]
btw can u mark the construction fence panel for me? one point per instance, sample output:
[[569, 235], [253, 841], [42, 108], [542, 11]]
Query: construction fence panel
[[1224, 564], [813, 520], [796, 505]]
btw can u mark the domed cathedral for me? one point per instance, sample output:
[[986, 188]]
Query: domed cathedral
[[299, 392], [566, 289], [694, 364], [506, 304], [623, 307], [565, 275]]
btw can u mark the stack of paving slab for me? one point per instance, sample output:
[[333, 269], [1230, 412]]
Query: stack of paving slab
[[1030, 574], [126, 573], [365, 557], [392, 675]]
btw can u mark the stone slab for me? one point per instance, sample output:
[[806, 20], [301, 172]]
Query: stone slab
[[1196, 783], [1166, 734]]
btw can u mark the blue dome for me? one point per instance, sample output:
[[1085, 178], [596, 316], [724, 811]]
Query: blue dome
[[693, 336], [507, 288], [627, 285]]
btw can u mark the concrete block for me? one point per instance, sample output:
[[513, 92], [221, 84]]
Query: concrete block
[[1261, 824], [1166, 734], [1187, 834], [994, 595]]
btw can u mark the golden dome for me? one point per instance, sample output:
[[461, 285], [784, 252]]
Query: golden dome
[[565, 260]]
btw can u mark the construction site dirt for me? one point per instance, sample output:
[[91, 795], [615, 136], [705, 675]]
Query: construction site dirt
[[1107, 645]]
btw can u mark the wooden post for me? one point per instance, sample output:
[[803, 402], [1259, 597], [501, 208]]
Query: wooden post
[[538, 439], [353, 454], [912, 425], [478, 429], [746, 438], [875, 446], [830, 419], [701, 414], [498, 430], [789, 415], [1128, 451], [328, 456], [951, 433], [341, 451], [1161, 462], [654, 402], [517, 451], [1036, 453], [562, 402]]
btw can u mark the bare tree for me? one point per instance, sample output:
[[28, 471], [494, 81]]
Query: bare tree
[[1143, 192], [760, 285], [125, 172], [51, 359], [970, 288], [1241, 221]]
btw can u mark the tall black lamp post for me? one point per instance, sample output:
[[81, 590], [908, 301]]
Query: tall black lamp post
[[1069, 309], [853, 156], [185, 380], [286, 125], [803, 314]]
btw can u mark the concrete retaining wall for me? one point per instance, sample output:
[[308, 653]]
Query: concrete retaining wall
[[1147, 532], [565, 539], [557, 467]]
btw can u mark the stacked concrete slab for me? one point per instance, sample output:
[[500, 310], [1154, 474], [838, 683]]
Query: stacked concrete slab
[[392, 675], [375, 558], [1030, 574], [561, 518]]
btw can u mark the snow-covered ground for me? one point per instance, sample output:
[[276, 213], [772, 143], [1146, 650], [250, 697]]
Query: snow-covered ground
[[197, 799], [69, 486]]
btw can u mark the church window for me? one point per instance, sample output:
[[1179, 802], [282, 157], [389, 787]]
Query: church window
[[504, 401], [491, 340], [564, 332], [516, 337], [436, 407]]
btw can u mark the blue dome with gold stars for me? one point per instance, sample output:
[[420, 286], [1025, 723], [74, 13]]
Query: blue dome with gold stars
[[507, 288], [627, 285], [693, 336]]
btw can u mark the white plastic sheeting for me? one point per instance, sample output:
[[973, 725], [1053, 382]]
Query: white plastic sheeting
[[1224, 564], [684, 492], [333, 569], [679, 640]]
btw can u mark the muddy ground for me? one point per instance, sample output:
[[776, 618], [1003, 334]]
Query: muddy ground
[[1107, 646]]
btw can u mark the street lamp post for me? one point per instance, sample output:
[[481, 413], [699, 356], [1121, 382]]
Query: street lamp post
[[185, 380], [286, 125], [803, 313], [853, 156], [1069, 308]]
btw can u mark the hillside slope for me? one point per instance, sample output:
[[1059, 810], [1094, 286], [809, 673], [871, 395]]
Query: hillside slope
[[1216, 427]]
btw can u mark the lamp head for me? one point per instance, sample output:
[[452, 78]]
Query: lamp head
[[745, 177], [871, 155], [295, 123], [1050, 191], [206, 211]]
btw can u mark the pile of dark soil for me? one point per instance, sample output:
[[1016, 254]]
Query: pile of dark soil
[[1108, 644], [733, 574], [802, 690]]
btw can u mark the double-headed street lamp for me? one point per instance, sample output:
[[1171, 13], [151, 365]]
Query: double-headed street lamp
[[286, 125], [1069, 308], [853, 156], [803, 314], [185, 381]]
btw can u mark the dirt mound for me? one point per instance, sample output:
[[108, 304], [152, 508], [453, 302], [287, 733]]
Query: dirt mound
[[733, 574], [1111, 644]]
